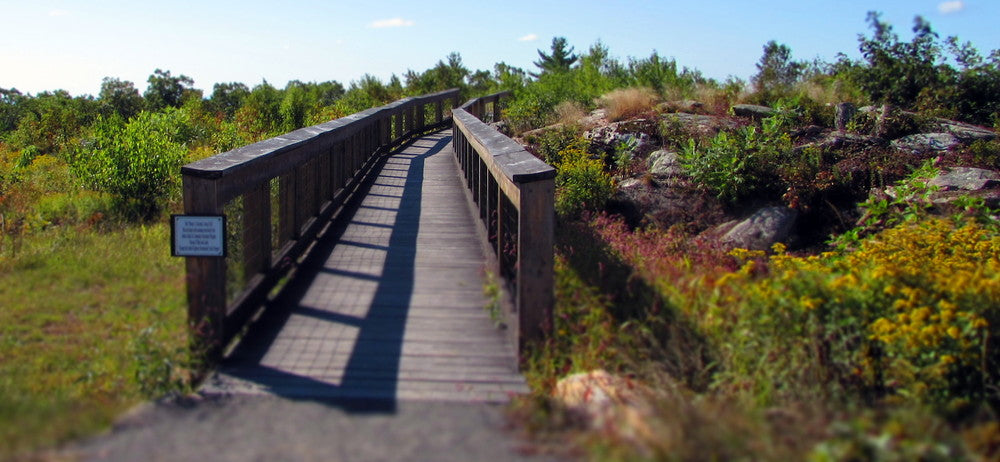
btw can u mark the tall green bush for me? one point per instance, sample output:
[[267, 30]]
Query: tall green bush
[[138, 162]]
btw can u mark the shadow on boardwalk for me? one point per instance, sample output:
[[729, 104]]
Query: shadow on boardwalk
[[387, 306]]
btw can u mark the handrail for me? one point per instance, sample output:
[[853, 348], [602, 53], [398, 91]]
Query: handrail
[[514, 191], [307, 175]]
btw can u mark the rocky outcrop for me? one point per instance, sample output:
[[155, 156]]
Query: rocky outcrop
[[965, 181], [700, 124], [608, 137], [927, 143], [965, 132], [664, 163], [761, 230], [752, 111], [666, 201], [966, 178]]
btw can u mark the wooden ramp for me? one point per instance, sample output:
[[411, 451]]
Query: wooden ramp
[[390, 304]]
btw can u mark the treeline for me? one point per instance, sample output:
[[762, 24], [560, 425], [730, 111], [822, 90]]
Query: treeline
[[941, 77], [129, 144]]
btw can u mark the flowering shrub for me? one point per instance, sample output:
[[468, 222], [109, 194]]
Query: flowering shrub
[[906, 316], [581, 181]]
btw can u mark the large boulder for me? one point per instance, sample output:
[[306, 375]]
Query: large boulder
[[763, 229], [965, 132], [966, 178], [606, 402], [965, 181], [664, 163], [752, 111], [924, 143]]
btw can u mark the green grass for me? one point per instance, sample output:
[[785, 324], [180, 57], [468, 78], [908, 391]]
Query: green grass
[[92, 322]]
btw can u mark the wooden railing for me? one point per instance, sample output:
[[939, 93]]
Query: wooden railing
[[514, 191], [277, 195]]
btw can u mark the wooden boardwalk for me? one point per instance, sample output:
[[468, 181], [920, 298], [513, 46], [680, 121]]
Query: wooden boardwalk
[[389, 305]]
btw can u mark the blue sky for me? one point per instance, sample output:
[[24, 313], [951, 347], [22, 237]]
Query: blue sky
[[72, 45]]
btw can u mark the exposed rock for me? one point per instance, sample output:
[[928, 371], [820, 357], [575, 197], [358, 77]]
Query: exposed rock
[[845, 112], [923, 143], [763, 229], [608, 137], [967, 178], [753, 111], [630, 183], [595, 118], [705, 125], [664, 163], [965, 132], [965, 181], [666, 201], [849, 141], [610, 403]]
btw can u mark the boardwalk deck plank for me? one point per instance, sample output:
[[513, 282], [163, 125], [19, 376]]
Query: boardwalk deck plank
[[393, 309]]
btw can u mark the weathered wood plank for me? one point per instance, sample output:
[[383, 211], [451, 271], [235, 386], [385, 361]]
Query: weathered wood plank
[[396, 305]]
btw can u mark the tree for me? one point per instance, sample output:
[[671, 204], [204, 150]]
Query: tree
[[897, 72], [166, 90], [776, 71], [121, 97], [227, 98], [560, 60], [444, 75], [10, 109]]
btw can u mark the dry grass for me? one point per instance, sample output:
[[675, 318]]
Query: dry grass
[[628, 102], [831, 93], [718, 100], [570, 112]]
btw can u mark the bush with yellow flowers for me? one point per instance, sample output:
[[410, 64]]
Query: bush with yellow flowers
[[909, 315]]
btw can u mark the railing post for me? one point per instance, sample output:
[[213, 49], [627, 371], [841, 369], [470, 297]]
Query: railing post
[[535, 265], [206, 276]]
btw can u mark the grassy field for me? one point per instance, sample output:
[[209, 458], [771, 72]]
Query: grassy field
[[92, 322]]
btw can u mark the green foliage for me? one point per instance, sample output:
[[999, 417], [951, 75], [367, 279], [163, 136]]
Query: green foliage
[[581, 181], [909, 201], [776, 72], [916, 74], [120, 97], [740, 164], [443, 76], [165, 90], [136, 161], [76, 302], [560, 60], [550, 144], [227, 98]]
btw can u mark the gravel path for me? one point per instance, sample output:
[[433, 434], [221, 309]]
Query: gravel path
[[268, 428]]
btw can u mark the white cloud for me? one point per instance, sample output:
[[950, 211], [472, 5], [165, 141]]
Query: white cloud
[[58, 13], [952, 6], [394, 22], [528, 38]]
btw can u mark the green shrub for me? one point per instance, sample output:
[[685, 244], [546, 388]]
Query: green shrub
[[581, 182], [138, 162]]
